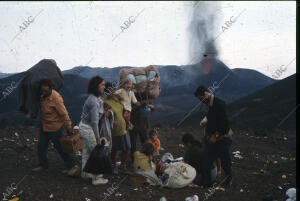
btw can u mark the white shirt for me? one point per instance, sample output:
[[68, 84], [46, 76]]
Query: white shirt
[[129, 98]]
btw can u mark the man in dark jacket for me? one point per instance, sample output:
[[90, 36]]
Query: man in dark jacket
[[217, 134]]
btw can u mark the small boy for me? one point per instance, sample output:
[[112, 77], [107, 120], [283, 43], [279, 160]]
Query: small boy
[[126, 95], [153, 139]]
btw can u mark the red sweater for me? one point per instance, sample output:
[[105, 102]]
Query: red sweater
[[156, 144]]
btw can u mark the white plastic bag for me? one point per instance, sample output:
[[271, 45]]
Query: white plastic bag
[[291, 193], [180, 174]]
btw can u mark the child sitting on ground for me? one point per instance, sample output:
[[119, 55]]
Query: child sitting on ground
[[142, 159], [126, 96], [153, 139]]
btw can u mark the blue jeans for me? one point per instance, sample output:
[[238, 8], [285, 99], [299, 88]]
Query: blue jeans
[[43, 142]]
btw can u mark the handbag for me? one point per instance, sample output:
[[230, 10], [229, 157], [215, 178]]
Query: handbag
[[71, 143], [99, 161]]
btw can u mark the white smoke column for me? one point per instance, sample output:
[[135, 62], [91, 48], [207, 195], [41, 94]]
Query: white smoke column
[[203, 30]]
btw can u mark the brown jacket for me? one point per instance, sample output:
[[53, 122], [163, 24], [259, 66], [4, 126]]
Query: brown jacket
[[53, 113]]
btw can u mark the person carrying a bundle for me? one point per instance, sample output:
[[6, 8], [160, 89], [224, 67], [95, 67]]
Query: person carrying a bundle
[[54, 117]]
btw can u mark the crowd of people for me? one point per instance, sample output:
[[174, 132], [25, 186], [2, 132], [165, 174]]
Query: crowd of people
[[121, 116]]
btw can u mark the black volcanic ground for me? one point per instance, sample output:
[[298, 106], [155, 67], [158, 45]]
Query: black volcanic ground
[[259, 173]]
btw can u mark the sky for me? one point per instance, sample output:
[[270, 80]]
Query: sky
[[138, 34]]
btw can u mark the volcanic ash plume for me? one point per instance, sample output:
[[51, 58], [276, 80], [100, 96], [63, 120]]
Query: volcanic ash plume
[[202, 29]]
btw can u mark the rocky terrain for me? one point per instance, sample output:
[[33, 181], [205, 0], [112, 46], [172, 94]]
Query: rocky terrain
[[266, 166]]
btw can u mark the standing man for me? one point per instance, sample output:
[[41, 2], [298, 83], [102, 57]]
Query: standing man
[[54, 117], [140, 120], [218, 135]]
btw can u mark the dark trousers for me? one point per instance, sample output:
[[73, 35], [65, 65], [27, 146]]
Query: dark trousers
[[133, 139], [198, 179], [43, 142], [219, 149]]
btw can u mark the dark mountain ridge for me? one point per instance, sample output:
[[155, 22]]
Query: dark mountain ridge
[[177, 83]]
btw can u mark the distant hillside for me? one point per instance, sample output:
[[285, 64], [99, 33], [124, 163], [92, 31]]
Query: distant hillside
[[267, 107], [3, 75], [263, 109], [74, 94], [186, 78], [177, 83]]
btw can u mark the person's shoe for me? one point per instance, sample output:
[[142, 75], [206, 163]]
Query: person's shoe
[[85, 175], [39, 169], [115, 171], [74, 171], [99, 181], [228, 183]]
